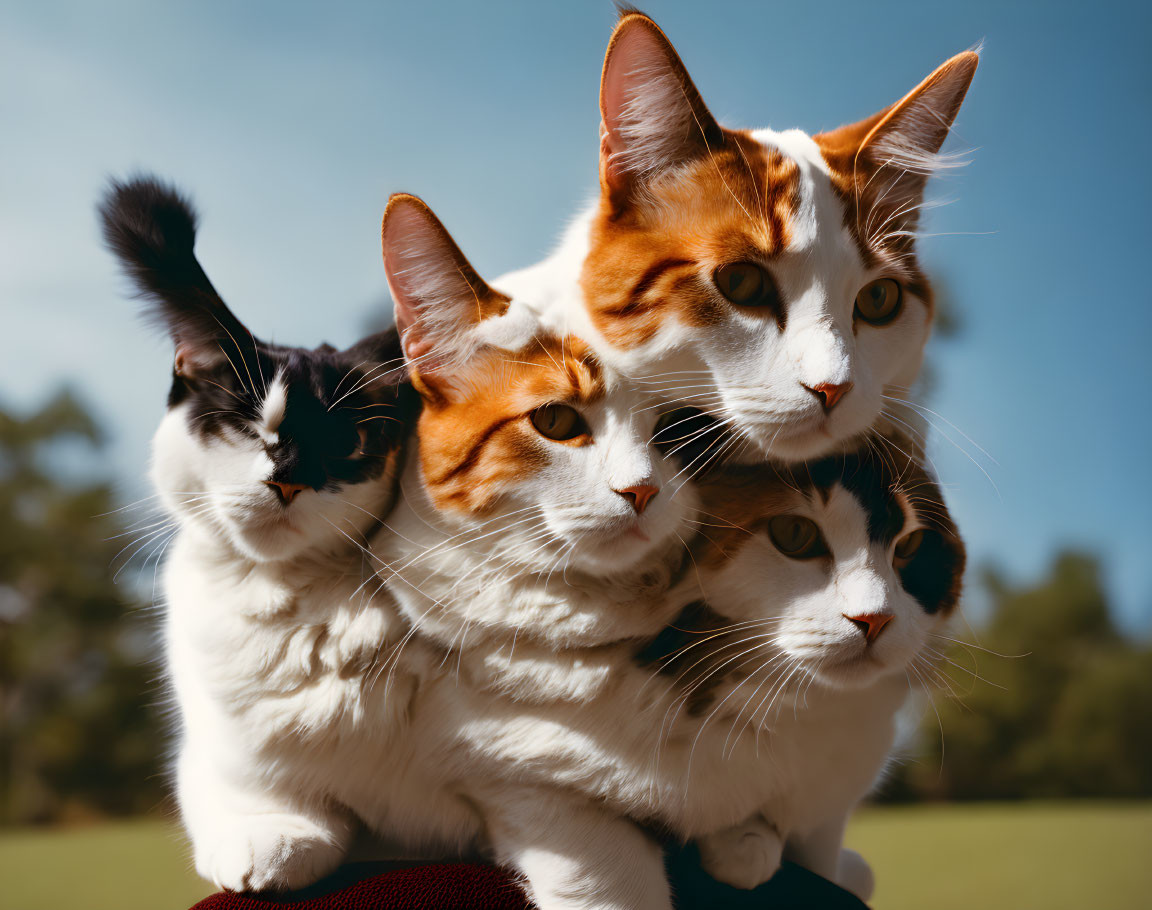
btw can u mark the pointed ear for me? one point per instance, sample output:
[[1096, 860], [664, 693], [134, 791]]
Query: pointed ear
[[438, 296], [152, 230], [894, 151], [652, 115]]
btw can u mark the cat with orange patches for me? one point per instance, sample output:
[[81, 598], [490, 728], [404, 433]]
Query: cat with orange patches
[[532, 483], [767, 278]]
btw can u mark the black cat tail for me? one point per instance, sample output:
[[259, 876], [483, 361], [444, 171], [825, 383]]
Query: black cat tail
[[151, 228]]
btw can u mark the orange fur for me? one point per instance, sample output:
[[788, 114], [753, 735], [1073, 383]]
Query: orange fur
[[732, 203], [476, 438]]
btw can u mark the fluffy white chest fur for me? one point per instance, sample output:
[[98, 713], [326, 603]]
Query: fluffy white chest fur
[[285, 715]]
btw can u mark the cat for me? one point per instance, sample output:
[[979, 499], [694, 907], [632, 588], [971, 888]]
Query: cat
[[277, 464], [769, 279], [576, 697], [532, 463]]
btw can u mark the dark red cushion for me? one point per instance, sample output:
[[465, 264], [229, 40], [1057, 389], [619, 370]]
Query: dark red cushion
[[476, 886], [465, 886]]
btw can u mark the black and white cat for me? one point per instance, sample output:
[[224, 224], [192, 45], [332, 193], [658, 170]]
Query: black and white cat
[[278, 463]]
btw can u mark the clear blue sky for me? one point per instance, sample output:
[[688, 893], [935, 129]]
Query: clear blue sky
[[290, 123]]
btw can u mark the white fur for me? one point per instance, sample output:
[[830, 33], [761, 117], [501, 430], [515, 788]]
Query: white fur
[[541, 718], [274, 633], [494, 699]]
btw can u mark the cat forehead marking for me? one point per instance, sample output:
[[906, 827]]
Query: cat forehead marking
[[741, 202], [272, 410]]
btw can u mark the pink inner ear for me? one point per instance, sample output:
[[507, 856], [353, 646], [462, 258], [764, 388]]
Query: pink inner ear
[[415, 346], [611, 170], [632, 53]]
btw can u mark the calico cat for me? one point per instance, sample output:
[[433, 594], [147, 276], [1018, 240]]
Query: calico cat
[[586, 679], [277, 463], [767, 278]]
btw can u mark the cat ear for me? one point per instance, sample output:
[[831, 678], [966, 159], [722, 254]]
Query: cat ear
[[438, 296], [151, 228], [652, 115], [893, 152]]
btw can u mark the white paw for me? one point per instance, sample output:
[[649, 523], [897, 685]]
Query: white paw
[[269, 852], [744, 856], [854, 874]]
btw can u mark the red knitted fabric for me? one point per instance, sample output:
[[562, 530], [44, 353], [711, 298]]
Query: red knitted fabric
[[460, 886]]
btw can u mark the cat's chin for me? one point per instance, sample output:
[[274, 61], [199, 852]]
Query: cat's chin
[[857, 672], [812, 439], [619, 552], [268, 541]]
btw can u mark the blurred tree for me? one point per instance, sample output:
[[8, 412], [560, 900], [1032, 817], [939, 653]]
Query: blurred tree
[[1066, 712], [76, 733]]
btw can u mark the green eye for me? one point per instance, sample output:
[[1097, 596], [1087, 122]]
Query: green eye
[[906, 548], [559, 422], [796, 537], [745, 284], [878, 302]]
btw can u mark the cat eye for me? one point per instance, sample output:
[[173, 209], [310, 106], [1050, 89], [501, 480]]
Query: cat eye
[[906, 548], [745, 284], [559, 422], [878, 302], [797, 537], [347, 442]]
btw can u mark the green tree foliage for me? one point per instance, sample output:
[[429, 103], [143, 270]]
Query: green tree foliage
[[1066, 711], [77, 735]]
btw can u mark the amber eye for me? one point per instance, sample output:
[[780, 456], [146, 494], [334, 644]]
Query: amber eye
[[745, 283], [558, 421], [878, 302], [906, 548], [797, 537]]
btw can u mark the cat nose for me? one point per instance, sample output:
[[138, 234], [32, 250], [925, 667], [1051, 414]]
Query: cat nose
[[829, 393], [286, 492], [639, 496], [870, 624]]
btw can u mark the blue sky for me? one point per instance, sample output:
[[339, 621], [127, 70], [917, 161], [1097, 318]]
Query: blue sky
[[291, 123]]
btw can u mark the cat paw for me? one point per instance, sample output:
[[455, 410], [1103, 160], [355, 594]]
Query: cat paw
[[854, 874], [274, 852], [744, 856]]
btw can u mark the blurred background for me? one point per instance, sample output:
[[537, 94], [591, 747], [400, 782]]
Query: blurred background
[[1027, 778]]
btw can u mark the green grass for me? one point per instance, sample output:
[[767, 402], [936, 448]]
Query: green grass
[[1058, 856], [1051, 856], [133, 865]]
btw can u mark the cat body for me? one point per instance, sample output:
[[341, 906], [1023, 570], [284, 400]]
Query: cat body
[[275, 465]]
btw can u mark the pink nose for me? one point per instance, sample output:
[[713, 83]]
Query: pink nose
[[829, 393], [639, 496], [871, 624], [286, 491]]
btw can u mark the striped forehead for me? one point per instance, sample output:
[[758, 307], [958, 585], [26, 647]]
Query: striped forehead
[[547, 368], [818, 210]]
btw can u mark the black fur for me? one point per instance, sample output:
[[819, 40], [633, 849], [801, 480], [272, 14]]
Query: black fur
[[346, 410], [877, 474]]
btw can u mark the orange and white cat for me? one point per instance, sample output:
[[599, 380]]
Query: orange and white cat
[[767, 278]]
